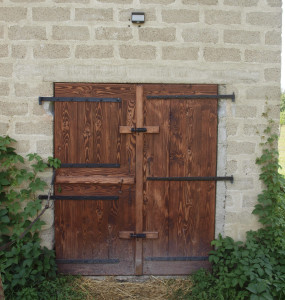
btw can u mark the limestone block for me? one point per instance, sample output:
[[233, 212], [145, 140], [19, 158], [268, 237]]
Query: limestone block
[[35, 127], [33, 89], [270, 19], [27, 1], [116, 1], [232, 167], [157, 1], [19, 51], [113, 33], [50, 14], [72, 1], [180, 16], [6, 69], [3, 128], [253, 129], [262, 56], [274, 3], [27, 33], [51, 51], [232, 127], [93, 14], [179, 53], [249, 167], [47, 237], [200, 2], [1, 31], [272, 74], [222, 17], [273, 37], [44, 147], [149, 34], [242, 3], [137, 52], [203, 35], [241, 37], [11, 109], [241, 148], [12, 14], [22, 146], [4, 50], [242, 184], [80, 33], [263, 92], [98, 51], [4, 89], [249, 200], [222, 54]]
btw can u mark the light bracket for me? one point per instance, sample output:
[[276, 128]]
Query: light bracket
[[138, 17]]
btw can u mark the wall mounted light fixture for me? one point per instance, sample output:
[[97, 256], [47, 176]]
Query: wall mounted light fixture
[[138, 17]]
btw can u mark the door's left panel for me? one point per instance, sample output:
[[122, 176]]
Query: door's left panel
[[98, 175]]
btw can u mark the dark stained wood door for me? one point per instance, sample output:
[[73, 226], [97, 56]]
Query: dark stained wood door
[[115, 183]]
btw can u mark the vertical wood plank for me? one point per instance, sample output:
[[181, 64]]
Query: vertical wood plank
[[139, 180]]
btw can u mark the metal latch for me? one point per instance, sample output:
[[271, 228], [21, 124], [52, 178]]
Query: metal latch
[[142, 129], [138, 235]]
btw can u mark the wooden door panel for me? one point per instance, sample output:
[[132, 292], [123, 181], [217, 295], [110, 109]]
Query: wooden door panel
[[181, 211], [88, 230]]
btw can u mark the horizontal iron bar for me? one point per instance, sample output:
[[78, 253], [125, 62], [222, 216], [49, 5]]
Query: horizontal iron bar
[[78, 99], [211, 178], [90, 165], [183, 258], [231, 96], [88, 261], [53, 197]]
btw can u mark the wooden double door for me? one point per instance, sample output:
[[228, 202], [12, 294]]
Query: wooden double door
[[134, 193]]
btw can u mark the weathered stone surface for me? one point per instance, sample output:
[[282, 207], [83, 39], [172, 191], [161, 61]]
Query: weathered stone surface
[[12, 14], [222, 17], [113, 33], [52, 51], [80, 33], [137, 52], [179, 53], [180, 16], [222, 54], [85, 51], [50, 14], [27, 32], [93, 14], [200, 35], [157, 34], [241, 37]]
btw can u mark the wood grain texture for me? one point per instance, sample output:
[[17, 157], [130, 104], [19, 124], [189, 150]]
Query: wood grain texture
[[97, 179]]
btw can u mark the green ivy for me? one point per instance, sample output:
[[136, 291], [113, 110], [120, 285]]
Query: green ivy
[[254, 269], [24, 264]]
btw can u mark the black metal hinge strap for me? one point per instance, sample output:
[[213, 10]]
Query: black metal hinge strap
[[90, 165], [43, 197], [78, 99], [88, 261], [137, 129], [211, 178], [230, 96], [138, 235], [183, 258]]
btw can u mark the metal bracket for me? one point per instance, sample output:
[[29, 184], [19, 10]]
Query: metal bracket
[[209, 178], [138, 235], [231, 96], [55, 197], [78, 99], [138, 129]]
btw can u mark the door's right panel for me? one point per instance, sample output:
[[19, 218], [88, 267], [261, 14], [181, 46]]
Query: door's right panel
[[183, 212]]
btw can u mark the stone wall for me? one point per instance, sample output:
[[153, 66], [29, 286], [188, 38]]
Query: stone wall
[[233, 43]]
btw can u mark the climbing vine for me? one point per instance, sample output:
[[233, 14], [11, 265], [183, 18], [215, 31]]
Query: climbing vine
[[254, 269], [23, 262]]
